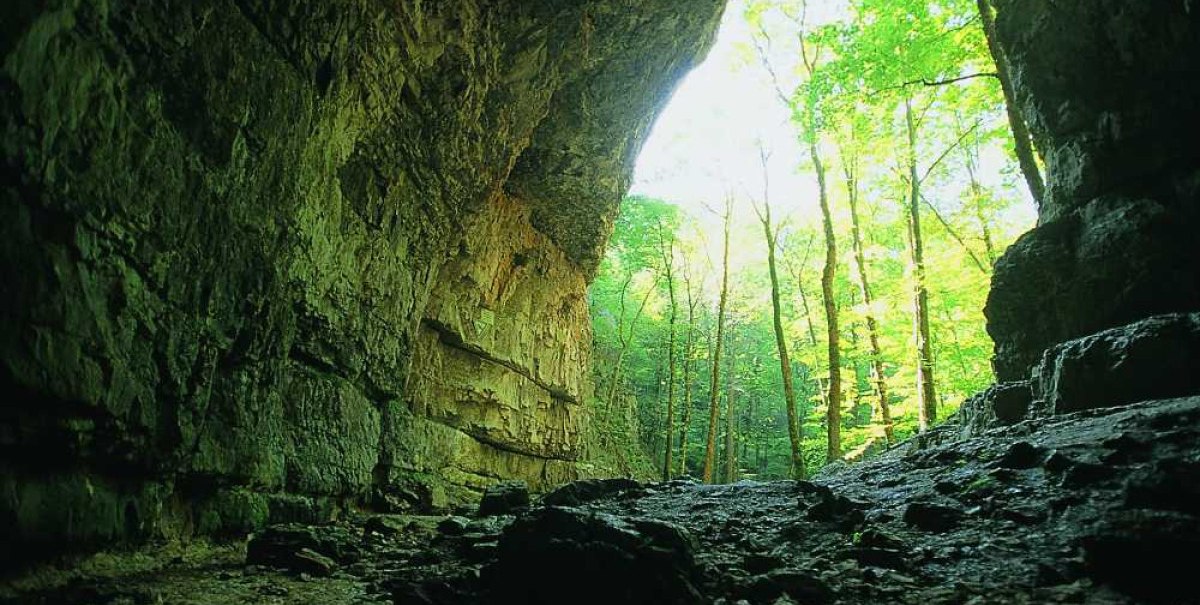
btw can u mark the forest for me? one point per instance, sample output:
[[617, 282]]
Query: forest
[[767, 331]]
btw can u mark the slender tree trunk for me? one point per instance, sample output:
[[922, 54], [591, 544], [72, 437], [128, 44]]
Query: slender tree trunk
[[625, 340], [833, 413], [795, 430], [653, 414], [710, 451], [730, 417], [668, 265], [616, 368], [988, 246], [926, 395], [957, 348], [864, 286], [1020, 130], [977, 205], [687, 376], [812, 331], [746, 431]]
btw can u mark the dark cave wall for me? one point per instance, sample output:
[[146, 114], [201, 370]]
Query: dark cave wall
[[1111, 89], [263, 259]]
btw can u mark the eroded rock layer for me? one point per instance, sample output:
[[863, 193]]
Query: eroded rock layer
[[1109, 88], [263, 259]]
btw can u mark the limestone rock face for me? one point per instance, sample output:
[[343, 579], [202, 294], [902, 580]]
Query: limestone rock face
[[1155, 358], [262, 256], [1109, 88]]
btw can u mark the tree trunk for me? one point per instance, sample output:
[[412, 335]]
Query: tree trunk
[[833, 410], [977, 193], [812, 331], [926, 396], [1020, 130], [864, 286], [710, 451], [730, 418], [795, 429], [668, 248], [687, 376], [988, 246], [625, 340]]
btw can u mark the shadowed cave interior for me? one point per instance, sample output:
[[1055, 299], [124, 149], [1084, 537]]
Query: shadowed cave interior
[[295, 307]]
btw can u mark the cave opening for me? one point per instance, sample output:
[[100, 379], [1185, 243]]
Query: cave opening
[[311, 304], [734, 138]]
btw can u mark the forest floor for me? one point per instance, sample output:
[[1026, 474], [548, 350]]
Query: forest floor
[[1097, 507]]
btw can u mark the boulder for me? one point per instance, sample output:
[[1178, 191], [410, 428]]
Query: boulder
[[560, 554], [826, 506], [313, 563], [1021, 455], [1113, 261]]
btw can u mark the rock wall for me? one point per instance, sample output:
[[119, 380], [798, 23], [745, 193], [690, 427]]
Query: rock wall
[[1110, 90], [267, 259]]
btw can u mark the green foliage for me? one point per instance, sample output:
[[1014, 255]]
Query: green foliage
[[846, 96]]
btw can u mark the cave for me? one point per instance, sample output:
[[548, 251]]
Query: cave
[[295, 310]]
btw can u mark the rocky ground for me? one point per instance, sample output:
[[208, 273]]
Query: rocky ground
[[1092, 507]]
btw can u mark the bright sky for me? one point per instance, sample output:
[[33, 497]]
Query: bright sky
[[707, 139]]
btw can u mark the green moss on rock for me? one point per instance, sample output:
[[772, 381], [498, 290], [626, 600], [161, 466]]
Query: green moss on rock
[[227, 226]]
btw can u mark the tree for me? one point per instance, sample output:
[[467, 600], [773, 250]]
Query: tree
[[806, 104], [850, 171], [811, 110], [625, 336], [666, 243], [926, 393], [901, 87], [795, 429], [1022, 140], [710, 452], [688, 347], [892, 47], [730, 418]]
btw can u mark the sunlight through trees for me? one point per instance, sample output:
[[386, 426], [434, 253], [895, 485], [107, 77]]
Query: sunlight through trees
[[900, 101]]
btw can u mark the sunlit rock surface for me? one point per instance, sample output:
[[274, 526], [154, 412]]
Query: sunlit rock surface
[[267, 260]]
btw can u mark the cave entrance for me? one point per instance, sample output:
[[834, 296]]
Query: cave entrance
[[787, 161]]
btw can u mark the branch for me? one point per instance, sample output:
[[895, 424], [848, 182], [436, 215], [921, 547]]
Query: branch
[[666, 248], [945, 153], [954, 234], [763, 58], [935, 83], [923, 81], [764, 213]]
